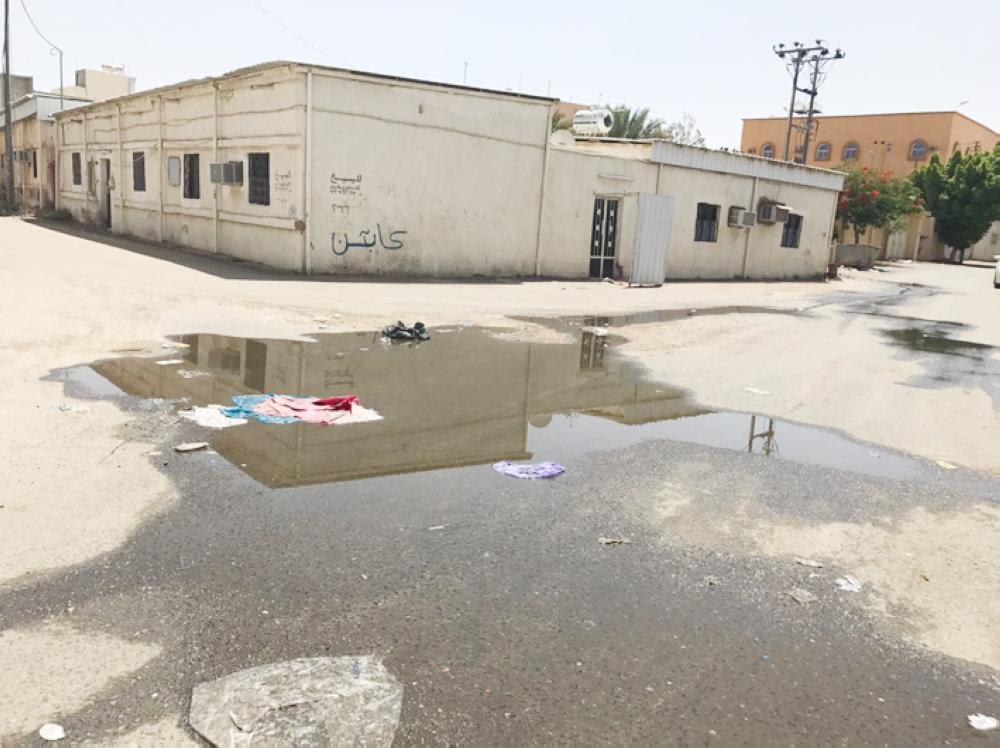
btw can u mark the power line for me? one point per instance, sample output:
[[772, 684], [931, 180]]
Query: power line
[[278, 21], [55, 48], [800, 55], [35, 26]]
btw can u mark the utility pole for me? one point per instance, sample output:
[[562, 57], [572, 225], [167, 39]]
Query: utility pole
[[8, 126], [818, 61], [798, 55]]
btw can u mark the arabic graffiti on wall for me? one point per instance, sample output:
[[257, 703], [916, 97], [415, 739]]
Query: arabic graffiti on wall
[[342, 244], [283, 181], [346, 186]]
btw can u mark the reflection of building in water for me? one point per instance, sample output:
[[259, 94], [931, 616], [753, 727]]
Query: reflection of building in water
[[464, 398]]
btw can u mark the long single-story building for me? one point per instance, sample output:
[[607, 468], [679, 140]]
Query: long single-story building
[[324, 170]]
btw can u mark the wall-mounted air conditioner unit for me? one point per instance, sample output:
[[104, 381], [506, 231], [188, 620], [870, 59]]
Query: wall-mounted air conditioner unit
[[736, 214], [749, 218], [767, 212], [227, 172]]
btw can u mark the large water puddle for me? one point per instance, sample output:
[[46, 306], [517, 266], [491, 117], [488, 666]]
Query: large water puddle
[[463, 398]]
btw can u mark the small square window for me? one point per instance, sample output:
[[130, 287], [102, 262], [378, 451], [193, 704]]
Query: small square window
[[792, 231], [192, 178], [706, 225], [77, 170], [138, 171], [260, 178]]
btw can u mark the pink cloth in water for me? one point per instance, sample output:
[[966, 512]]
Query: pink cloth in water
[[307, 409]]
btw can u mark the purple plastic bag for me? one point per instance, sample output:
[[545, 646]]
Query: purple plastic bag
[[531, 472]]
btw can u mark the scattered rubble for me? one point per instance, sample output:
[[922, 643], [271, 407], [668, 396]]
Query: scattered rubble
[[848, 584], [802, 596]]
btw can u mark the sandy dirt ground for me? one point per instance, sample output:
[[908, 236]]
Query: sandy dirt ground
[[77, 487]]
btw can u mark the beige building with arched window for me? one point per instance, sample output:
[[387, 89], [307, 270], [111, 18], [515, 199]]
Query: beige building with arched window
[[888, 142], [896, 143]]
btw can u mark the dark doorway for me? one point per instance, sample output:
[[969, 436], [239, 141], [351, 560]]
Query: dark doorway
[[105, 196], [604, 237]]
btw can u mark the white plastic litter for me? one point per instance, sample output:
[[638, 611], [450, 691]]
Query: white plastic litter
[[755, 391], [170, 362], [51, 731], [809, 562], [210, 416], [313, 701], [983, 722], [946, 465], [358, 414], [848, 584], [190, 446], [192, 373], [598, 331]]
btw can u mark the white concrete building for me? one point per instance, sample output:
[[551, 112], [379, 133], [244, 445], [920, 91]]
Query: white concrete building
[[34, 133], [323, 170], [34, 140]]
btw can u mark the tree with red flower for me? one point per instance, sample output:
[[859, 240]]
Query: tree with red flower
[[874, 199]]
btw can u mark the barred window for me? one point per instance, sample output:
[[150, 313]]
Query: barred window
[[192, 178], [792, 231], [260, 178], [138, 171], [77, 169], [706, 225]]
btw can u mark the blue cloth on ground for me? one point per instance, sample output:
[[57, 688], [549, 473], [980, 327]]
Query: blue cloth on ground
[[245, 405]]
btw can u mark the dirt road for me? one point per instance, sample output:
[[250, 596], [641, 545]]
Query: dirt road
[[129, 574]]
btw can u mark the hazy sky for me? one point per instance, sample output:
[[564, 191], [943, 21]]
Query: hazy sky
[[711, 58]]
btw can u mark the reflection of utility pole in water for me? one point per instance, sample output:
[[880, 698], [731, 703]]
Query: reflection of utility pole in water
[[770, 446]]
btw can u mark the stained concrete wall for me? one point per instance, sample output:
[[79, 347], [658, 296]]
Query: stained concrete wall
[[412, 179], [220, 121], [577, 176], [988, 246], [383, 176], [575, 180]]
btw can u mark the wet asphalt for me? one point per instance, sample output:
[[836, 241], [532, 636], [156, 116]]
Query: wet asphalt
[[509, 623]]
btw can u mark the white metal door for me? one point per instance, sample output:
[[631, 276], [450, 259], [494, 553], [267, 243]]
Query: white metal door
[[652, 239]]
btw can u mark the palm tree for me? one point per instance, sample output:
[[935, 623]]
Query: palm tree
[[561, 122], [634, 123]]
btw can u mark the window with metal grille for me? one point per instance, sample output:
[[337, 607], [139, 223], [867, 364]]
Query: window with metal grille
[[260, 178], [792, 231], [138, 171], [706, 225], [77, 169], [192, 181]]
